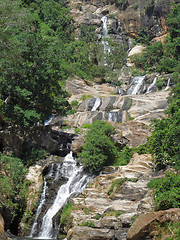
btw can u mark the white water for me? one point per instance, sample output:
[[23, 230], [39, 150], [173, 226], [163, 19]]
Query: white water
[[42, 201], [150, 88], [96, 104], [168, 85], [75, 184], [104, 38], [112, 117], [136, 85]]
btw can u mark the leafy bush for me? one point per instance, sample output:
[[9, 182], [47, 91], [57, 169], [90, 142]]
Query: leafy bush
[[74, 103], [98, 149], [124, 157], [165, 140], [142, 149], [166, 191], [13, 187]]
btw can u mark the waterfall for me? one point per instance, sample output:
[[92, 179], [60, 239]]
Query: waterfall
[[96, 104], [76, 182], [112, 117], [136, 85], [168, 84], [42, 201], [150, 88], [104, 38]]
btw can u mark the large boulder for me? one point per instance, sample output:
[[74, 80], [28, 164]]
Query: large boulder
[[145, 225]]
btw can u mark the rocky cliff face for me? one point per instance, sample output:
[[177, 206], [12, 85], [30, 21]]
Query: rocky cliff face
[[131, 14]]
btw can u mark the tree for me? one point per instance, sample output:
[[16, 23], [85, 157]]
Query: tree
[[29, 85], [98, 149]]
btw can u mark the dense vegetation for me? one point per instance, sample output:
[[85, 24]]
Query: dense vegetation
[[158, 57], [100, 150], [38, 52]]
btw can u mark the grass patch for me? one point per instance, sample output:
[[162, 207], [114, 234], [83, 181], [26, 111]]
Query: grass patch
[[87, 224], [66, 218], [124, 157], [84, 97]]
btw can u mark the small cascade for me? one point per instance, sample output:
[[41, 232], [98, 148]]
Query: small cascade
[[105, 37], [47, 122], [152, 85], [76, 182], [136, 85], [96, 104], [42, 201], [112, 117], [168, 85]]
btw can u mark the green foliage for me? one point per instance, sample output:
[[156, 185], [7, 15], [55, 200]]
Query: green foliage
[[160, 83], [113, 213], [135, 6], [165, 140], [166, 191], [74, 103], [66, 218], [30, 157], [98, 149], [13, 187], [143, 36], [158, 57], [124, 157], [87, 224], [86, 125], [142, 149], [84, 97], [97, 216], [122, 4], [132, 179], [170, 229], [87, 33], [116, 185]]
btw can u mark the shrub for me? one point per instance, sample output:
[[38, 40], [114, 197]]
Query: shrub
[[98, 149], [87, 224], [166, 191], [74, 103], [13, 187], [124, 157]]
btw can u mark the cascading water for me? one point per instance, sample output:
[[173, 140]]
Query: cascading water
[[136, 85], [42, 201], [104, 38], [152, 85], [96, 104], [168, 85], [76, 182]]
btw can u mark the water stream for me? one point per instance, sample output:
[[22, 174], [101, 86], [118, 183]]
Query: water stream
[[76, 181], [104, 38], [152, 85], [136, 85], [168, 85], [96, 104]]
